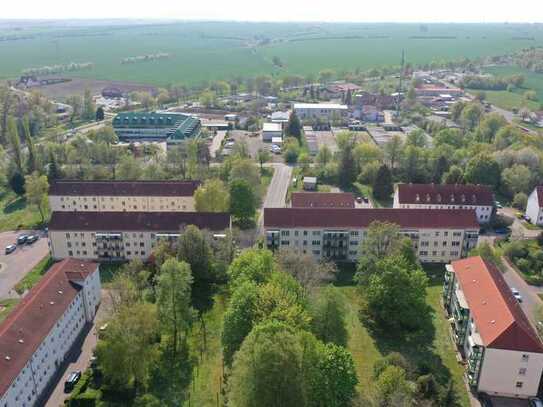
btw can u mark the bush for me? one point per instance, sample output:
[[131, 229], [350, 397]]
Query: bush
[[88, 399], [520, 200]]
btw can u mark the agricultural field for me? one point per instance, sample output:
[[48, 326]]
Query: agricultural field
[[204, 51], [532, 81]]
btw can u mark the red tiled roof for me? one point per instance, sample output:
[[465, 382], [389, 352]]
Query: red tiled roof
[[405, 218], [445, 194], [124, 188], [500, 321], [137, 221], [322, 200], [25, 328]]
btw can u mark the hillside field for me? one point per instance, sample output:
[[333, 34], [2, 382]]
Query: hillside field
[[533, 80], [204, 51]]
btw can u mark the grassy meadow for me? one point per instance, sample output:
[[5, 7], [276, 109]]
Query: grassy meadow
[[203, 51]]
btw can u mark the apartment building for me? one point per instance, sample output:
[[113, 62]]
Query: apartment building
[[322, 111], [503, 352], [40, 331], [119, 196], [108, 236], [534, 208], [336, 233], [435, 196]]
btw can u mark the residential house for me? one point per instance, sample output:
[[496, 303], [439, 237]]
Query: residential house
[[38, 334], [120, 236], [534, 208], [503, 352], [437, 196], [336, 233], [322, 200], [320, 111], [119, 196]]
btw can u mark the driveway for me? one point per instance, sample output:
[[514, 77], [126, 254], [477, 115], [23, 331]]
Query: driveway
[[14, 266], [278, 188], [79, 356], [530, 300], [518, 228]]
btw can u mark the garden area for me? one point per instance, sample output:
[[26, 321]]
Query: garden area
[[15, 213], [527, 257]]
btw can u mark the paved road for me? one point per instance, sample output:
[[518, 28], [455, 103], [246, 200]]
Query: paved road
[[216, 143], [530, 301], [518, 228], [277, 190], [80, 355], [14, 266]]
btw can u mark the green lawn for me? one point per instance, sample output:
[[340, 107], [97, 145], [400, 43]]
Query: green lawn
[[32, 278], [532, 80], [16, 214], [432, 348], [6, 306], [508, 100], [206, 385]]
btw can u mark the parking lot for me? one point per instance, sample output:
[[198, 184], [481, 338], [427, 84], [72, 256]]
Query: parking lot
[[14, 266], [254, 143]]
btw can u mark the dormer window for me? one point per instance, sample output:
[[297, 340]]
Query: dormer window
[[438, 197], [463, 198], [428, 199], [417, 198], [473, 198], [452, 198]]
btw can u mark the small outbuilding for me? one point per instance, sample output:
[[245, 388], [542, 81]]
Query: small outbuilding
[[310, 183], [271, 130]]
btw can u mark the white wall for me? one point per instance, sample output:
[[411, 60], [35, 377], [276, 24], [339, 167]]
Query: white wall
[[41, 368], [501, 372], [533, 211], [121, 203]]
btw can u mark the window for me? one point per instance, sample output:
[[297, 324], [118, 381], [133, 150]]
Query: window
[[519, 385], [354, 232], [525, 357], [295, 233], [522, 371], [285, 242], [285, 233]]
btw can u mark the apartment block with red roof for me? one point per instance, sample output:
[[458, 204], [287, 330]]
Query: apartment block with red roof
[[534, 208], [447, 196], [336, 234], [503, 352], [125, 196], [40, 331]]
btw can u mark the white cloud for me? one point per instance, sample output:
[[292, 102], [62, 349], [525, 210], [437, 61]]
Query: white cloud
[[284, 10]]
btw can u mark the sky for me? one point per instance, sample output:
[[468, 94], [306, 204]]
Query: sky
[[282, 10]]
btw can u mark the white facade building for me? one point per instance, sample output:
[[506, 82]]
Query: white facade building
[[503, 352], [38, 334], [435, 196], [323, 111], [119, 196], [271, 130], [122, 235], [534, 208], [336, 233]]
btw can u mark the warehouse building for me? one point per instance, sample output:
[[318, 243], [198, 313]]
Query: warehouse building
[[435, 196], [438, 236], [321, 111], [118, 236], [172, 127], [119, 196], [503, 352], [38, 334]]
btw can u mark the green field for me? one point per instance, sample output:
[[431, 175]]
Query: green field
[[204, 51]]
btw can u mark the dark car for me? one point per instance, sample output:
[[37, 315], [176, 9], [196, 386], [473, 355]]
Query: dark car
[[32, 238], [485, 400], [10, 248], [71, 381], [22, 239]]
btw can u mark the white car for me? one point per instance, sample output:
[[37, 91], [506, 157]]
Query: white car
[[517, 295]]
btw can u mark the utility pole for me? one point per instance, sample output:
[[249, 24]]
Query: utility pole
[[399, 91]]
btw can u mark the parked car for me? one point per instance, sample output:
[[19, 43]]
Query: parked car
[[359, 199], [22, 239], [71, 381], [516, 294], [275, 149], [499, 205], [485, 400], [535, 402], [10, 248], [32, 238], [526, 218]]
